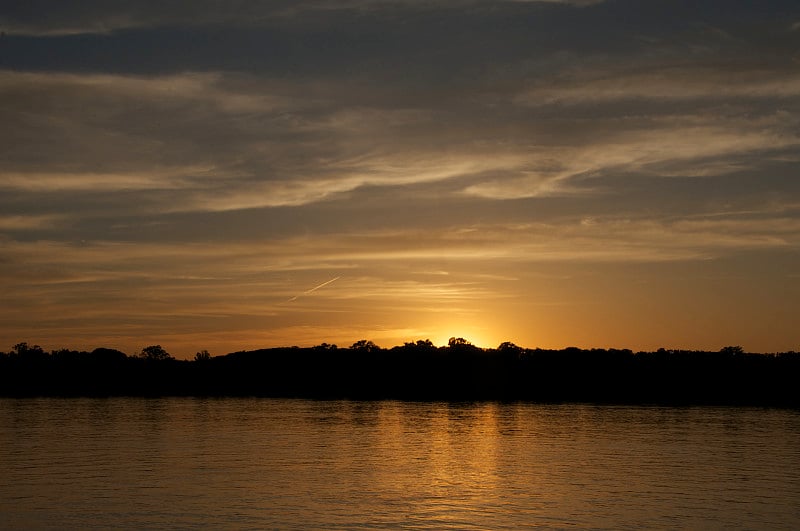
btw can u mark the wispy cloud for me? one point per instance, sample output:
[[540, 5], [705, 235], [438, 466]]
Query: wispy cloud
[[666, 84], [150, 179], [23, 222], [246, 171], [604, 238], [100, 18], [667, 147]]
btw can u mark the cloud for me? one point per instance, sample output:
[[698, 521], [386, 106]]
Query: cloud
[[88, 17], [665, 84], [151, 179], [215, 142], [119, 131], [22, 222], [346, 175], [219, 141], [206, 142], [570, 238], [100, 17], [376, 40], [668, 147]]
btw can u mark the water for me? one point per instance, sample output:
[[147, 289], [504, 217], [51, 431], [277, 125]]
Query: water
[[295, 464]]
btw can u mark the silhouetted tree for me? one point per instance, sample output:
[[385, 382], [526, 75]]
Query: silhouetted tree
[[508, 346], [365, 346], [416, 370], [155, 353], [509, 351], [455, 342], [460, 346], [325, 346], [24, 351], [421, 346], [109, 354]]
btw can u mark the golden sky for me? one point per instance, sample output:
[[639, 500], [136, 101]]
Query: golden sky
[[237, 175]]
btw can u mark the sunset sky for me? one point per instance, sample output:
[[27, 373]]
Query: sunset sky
[[236, 175]]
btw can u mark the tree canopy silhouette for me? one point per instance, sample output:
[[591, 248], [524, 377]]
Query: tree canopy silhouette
[[365, 346], [155, 353], [417, 370]]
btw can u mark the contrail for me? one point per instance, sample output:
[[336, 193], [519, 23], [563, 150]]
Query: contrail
[[315, 288]]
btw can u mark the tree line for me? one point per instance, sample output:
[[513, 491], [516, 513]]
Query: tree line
[[416, 370]]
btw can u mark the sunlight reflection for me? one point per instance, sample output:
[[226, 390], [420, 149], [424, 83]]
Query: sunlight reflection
[[446, 452]]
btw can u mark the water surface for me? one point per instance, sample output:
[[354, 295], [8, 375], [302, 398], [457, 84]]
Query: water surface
[[298, 464]]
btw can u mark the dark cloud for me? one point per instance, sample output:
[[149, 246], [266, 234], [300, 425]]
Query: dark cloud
[[390, 39]]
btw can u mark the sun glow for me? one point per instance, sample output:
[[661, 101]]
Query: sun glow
[[480, 328]]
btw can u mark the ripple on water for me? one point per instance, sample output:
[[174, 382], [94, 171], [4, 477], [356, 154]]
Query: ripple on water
[[295, 464]]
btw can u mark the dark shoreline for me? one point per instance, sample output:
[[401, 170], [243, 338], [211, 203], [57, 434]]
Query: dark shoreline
[[420, 371]]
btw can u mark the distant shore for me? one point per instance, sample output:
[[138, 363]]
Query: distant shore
[[415, 371]]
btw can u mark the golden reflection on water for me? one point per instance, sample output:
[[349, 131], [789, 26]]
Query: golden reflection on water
[[448, 455], [294, 464]]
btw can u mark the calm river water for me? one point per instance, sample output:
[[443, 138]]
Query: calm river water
[[296, 464]]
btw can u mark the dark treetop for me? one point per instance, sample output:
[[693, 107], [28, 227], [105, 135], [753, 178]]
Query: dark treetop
[[415, 371]]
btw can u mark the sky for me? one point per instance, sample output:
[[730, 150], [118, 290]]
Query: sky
[[238, 175]]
